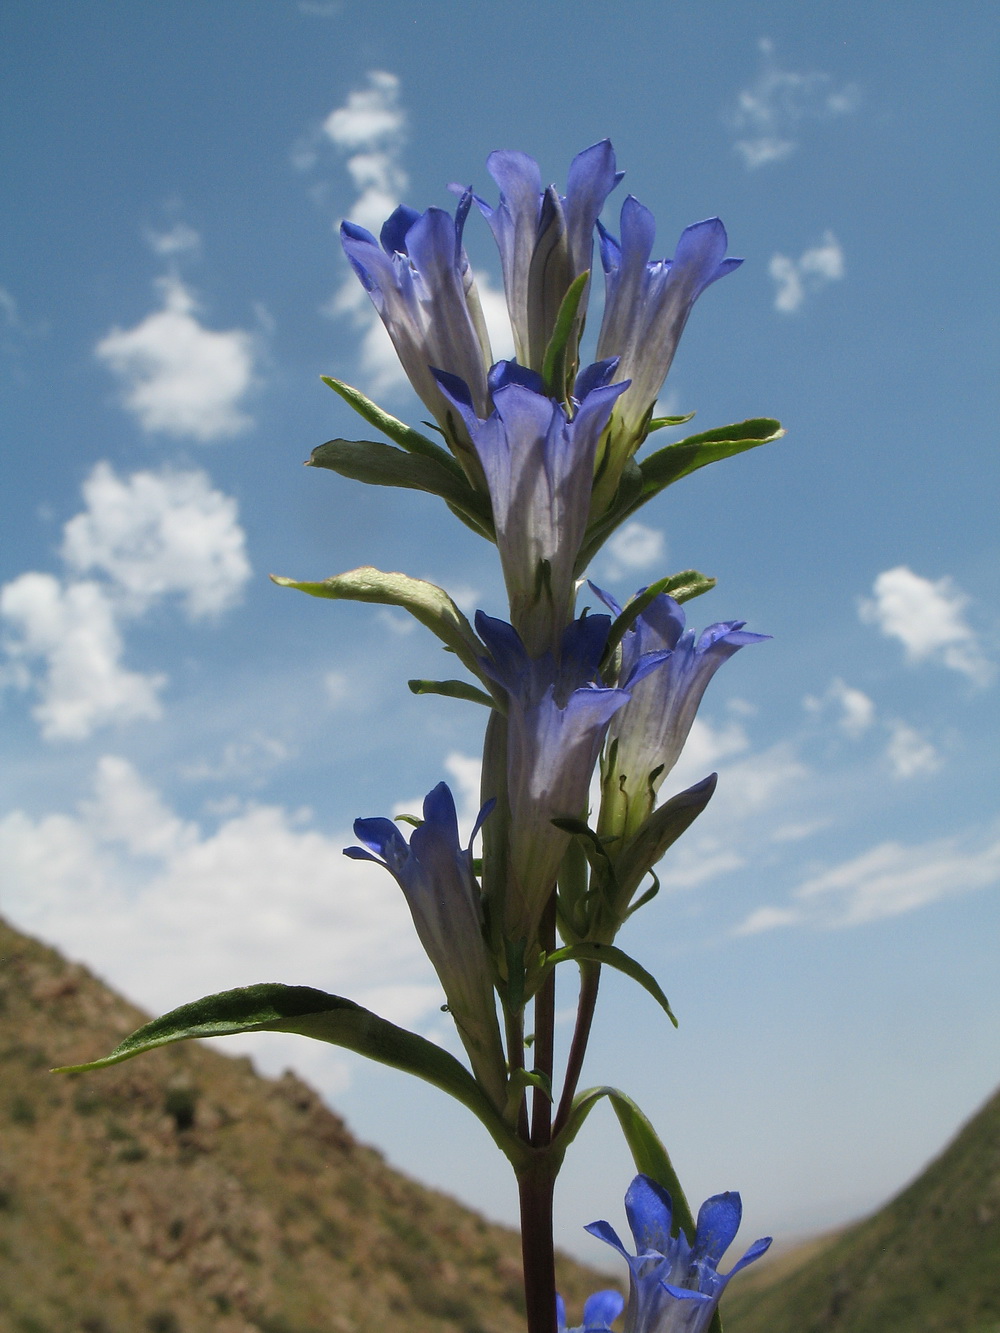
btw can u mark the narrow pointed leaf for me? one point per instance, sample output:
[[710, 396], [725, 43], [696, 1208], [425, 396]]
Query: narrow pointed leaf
[[658, 423], [271, 1007], [382, 465], [681, 587], [425, 601], [611, 956], [650, 1156], [678, 460], [554, 366], [453, 689], [411, 440]]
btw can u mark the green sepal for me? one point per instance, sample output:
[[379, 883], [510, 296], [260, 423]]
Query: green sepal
[[453, 689], [409, 439], [663, 827], [681, 587], [658, 423], [383, 465], [555, 365], [640, 482], [425, 601], [648, 1153], [614, 957], [271, 1007]]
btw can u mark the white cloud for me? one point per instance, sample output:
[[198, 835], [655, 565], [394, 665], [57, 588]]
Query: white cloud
[[633, 547], [814, 269], [248, 758], [768, 116], [177, 376], [156, 534], [150, 536], [494, 304], [180, 239], [883, 882], [857, 711], [910, 754], [926, 617], [73, 632], [169, 911]]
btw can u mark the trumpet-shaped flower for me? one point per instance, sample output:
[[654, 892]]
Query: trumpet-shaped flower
[[674, 1284], [539, 466], [546, 240], [435, 874], [599, 1312], [421, 284], [647, 736], [647, 304], [558, 715]]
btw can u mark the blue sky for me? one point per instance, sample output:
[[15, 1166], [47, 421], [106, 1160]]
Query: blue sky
[[186, 745]]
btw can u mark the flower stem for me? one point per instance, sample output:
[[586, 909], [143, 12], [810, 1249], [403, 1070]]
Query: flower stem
[[545, 1021], [590, 979], [535, 1190]]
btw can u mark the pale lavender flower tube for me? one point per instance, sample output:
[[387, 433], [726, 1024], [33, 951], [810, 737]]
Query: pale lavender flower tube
[[539, 465], [435, 874]]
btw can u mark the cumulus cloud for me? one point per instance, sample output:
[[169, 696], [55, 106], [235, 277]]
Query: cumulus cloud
[[168, 910], [799, 278], [927, 618], [157, 534], [856, 710], [70, 646], [149, 537], [177, 376], [769, 115], [634, 547]]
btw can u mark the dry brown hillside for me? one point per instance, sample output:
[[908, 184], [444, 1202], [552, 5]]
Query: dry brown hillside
[[182, 1193]]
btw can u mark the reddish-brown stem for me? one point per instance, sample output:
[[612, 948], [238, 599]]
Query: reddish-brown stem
[[590, 979]]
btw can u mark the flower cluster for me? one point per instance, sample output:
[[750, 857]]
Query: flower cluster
[[674, 1284]]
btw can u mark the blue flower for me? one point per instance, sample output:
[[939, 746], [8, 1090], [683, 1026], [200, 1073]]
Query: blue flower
[[648, 735], [539, 469], [435, 874], [545, 240], [647, 304], [674, 1285], [421, 284], [599, 1312], [557, 718]]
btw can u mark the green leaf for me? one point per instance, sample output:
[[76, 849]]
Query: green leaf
[[668, 465], [663, 827], [453, 689], [382, 465], [271, 1007], [411, 440], [658, 423], [425, 601], [555, 366], [681, 587], [611, 956], [678, 460]]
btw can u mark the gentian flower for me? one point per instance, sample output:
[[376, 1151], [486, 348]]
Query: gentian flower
[[557, 718], [647, 304], [421, 284], [545, 240], [674, 1285], [435, 874], [651, 730], [539, 468], [599, 1312]]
